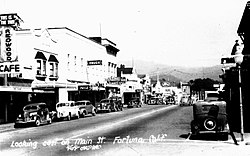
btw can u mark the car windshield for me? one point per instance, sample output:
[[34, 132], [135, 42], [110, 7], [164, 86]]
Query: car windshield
[[62, 105], [30, 107], [105, 101]]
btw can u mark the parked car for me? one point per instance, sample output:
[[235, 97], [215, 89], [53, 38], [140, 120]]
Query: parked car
[[185, 100], [35, 113], [85, 107], [134, 102], [209, 117], [170, 100], [108, 105], [155, 101], [67, 110], [118, 102]]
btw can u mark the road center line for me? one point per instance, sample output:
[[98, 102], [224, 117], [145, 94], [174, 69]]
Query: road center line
[[110, 125]]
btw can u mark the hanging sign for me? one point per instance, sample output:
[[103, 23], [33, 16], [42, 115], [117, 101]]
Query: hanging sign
[[8, 53]]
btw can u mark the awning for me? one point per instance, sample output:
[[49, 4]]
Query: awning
[[52, 84], [40, 55], [52, 58]]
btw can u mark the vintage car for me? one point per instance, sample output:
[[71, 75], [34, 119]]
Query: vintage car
[[156, 101], [108, 105], [35, 113], [170, 100], [185, 100], [67, 110], [134, 102], [209, 117], [118, 102], [85, 108]]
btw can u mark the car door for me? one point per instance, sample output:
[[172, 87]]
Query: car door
[[42, 113], [73, 108], [88, 106]]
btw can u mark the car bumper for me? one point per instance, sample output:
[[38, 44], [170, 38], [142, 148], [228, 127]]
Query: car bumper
[[61, 115], [24, 122]]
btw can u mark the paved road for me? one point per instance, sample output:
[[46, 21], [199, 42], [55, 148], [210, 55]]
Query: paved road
[[150, 130]]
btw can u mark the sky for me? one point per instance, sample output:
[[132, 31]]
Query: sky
[[186, 33]]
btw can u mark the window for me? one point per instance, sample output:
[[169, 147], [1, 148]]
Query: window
[[41, 64], [75, 63], [68, 64], [51, 69], [44, 68], [81, 64], [39, 67], [53, 65]]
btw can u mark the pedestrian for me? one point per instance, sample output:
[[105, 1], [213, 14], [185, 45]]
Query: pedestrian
[[238, 47]]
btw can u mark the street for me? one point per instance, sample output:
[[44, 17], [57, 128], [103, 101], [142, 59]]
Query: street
[[150, 130]]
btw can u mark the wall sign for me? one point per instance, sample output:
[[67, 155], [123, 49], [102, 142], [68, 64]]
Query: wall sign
[[7, 68], [10, 20], [94, 62]]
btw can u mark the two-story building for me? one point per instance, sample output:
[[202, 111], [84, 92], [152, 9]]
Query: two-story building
[[50, 65]]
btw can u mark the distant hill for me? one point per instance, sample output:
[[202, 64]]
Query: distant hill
[[174, 73]]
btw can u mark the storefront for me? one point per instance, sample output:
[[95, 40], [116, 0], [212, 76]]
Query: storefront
[[93, 93], [17, 93]]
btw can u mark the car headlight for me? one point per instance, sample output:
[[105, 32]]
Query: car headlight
[[19, 115], [210, 124]]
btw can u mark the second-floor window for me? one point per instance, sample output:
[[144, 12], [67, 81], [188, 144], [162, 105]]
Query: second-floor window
[[41, 64], [41, 67], [53, 69], [53, 66]]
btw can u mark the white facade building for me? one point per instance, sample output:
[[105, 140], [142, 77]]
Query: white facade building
[[53, 64]]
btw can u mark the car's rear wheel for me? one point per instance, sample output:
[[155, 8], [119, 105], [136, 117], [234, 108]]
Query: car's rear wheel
[[38, 122], [49, 121], [78, 115], [69, 117], [109, 110], [94, 113]]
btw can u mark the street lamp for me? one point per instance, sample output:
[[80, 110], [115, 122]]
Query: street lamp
[[238, 58]]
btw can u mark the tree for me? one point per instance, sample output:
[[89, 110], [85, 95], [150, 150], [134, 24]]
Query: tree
[[202, 84]]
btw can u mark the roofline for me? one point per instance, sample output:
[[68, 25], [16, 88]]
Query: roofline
[[75, 33]]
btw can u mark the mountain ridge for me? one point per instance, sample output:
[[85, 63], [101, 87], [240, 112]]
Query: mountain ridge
[[177, 73]]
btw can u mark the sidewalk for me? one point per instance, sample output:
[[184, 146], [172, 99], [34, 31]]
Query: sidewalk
[[6, 127], [246, 137]]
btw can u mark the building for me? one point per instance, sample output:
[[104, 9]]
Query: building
[[133, 87], [50, 65]]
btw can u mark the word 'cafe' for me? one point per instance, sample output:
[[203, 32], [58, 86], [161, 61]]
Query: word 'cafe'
[[6, 68]]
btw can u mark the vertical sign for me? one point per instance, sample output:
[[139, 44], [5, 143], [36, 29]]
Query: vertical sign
[[8, 53]]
